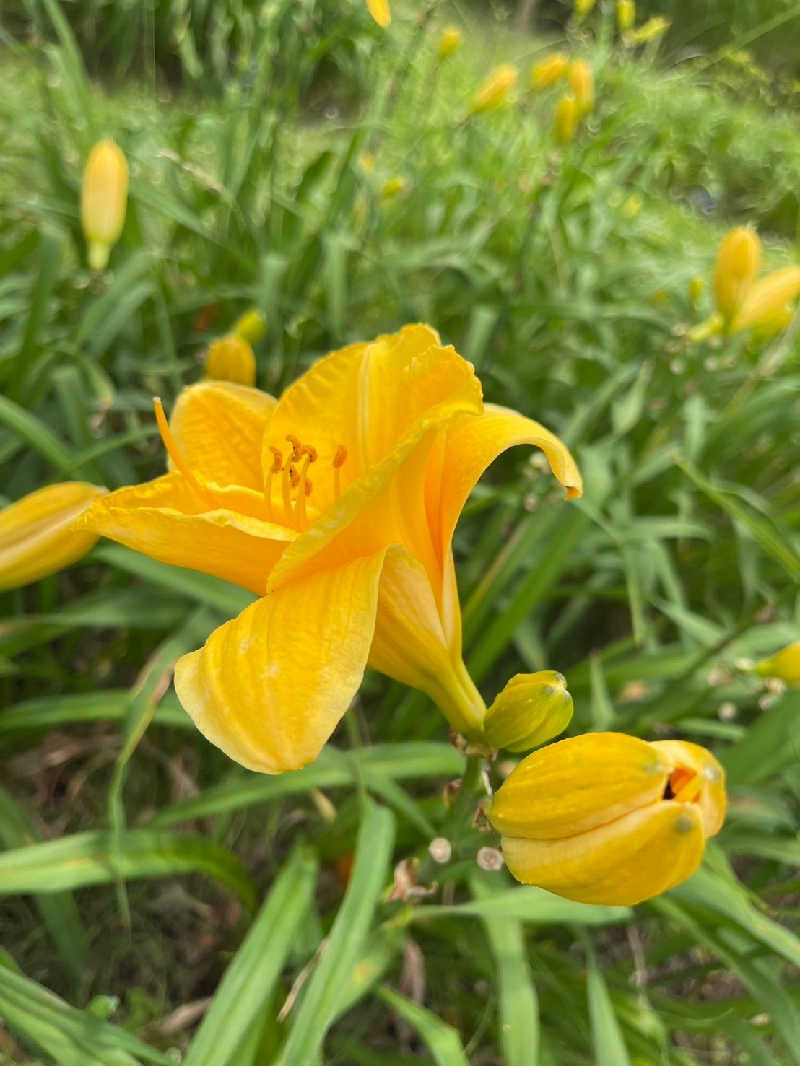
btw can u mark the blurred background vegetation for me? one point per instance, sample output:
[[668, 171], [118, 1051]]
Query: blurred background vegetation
[[291, 156]]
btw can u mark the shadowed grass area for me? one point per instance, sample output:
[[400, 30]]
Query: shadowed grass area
[[264, 146]]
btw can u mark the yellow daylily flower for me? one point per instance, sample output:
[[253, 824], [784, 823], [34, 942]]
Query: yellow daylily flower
[[231, 358], [531, 709], [565, 121], [380, 11], [548, 70], [36, 534], [581, 81], [608, 818], [735, 267], [450, 41], [104, 195], [336, 505], [492, 92], [785, 665]]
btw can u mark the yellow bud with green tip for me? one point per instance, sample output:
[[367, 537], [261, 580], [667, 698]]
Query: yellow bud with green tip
[[252, 326], [531, 709], [608, 818], [104, 195], [450, 41], [785, 665], [626, 14]]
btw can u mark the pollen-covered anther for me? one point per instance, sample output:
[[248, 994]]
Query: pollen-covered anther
[[339, 459], [297, 447], [277, 466]]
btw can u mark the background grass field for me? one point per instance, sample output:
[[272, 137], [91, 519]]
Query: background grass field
[[158, 901]]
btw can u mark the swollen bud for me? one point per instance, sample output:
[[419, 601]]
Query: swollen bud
[[735, 268], [785, 665], [104, 196], [231, 359], [252, 326], [531, 709]]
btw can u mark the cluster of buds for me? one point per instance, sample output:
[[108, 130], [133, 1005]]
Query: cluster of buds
[[576, 102]]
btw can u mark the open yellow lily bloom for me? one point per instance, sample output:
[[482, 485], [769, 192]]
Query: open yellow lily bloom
[[37, 537], [336, 505], [380, 11], [608, 818]]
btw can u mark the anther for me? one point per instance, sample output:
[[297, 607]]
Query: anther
[[340, 457], [277, 466], [338, 462], [297, 447], [277, 461], [294, 477]]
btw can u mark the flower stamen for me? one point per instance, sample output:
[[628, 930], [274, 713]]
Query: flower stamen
[[309, 456], [277, 466], [172, 448]]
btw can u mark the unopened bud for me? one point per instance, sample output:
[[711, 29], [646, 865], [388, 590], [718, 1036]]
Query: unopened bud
[[531, 709], [626, 14], [735, 268], [104, 195], [548, 70], [494, 90], [581, 81], [251, 325], [566, 119], [231, 359], [785, 665], [450, 41]]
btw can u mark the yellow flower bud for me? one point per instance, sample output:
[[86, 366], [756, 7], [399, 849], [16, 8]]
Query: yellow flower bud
[[394, 187], [548, 70], [608, 818], [531, 709], [36, 535], [696, 288], [231, 359], [735, 267], [494, 90], [582, 7], [581, 81], [626, 14], [380, 11], [764, 298], [785, 665], [648, 31], [367, 162], [252, 326], [566, 119], [103, 199], [450, 41]]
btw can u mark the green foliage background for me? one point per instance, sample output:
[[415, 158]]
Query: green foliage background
[[143, 873]]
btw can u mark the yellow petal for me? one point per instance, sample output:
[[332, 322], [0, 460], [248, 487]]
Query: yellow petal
[[169, 520], [270, 686], [767, 296], [37, 537], [218, 427], [577, 784], [379, 9], [471, 445], [623, 862], [686, 758], [410, 644]]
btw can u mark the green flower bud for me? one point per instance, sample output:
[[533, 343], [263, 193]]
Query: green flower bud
[[531, 709]]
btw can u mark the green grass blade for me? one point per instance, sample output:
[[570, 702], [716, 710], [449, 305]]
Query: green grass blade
[[249, 980], [607, 1040], [442, 1040], [321, 998], [526, 904]]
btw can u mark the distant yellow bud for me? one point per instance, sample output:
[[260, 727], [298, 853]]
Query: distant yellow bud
[[626, 14], [582, 7], [648, 31], [367, 162], [696, 288], [494, 90], [548, 70], [767, 297], [566, 119], [231, 359], [36, 534], [252, 326], [450, 41], [608, 818], [531, 709], [581, 81], [736, 265], [785, 665], [104, 196], [394, 187], [380, 11]]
